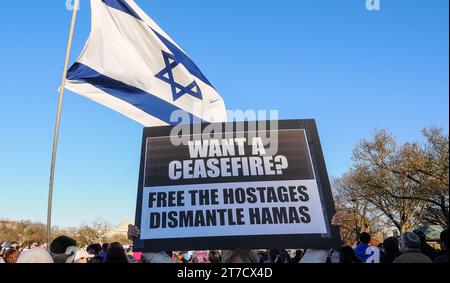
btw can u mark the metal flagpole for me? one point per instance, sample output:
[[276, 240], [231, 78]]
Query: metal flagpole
[[58, 119]]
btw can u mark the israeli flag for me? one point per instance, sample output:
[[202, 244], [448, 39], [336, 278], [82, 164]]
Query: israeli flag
[[132, 66]]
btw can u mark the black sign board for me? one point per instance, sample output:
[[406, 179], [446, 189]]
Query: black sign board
[[247, 185]]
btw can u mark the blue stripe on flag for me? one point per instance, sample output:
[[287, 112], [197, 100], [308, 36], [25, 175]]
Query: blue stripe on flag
[[180, 56], [123, 6], [145, 101]]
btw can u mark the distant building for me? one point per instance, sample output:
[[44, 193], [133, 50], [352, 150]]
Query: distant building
[[121, 229]]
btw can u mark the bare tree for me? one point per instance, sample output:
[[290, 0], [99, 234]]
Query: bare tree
[[25, 232], [8, 231], [379, 171], [423, 168], [359, 215], [119, 238], [429, 167], [92, 233], [35, 232]]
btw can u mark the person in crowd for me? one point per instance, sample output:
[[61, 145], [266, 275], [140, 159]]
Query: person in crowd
[[214, 257], [187, 256], [425, 248], [285, 256], [264, 256], [200, 257], [321, 256], [182, 257], [348, 255], [44, 246], [311, 256], [179, 257], [129, 254], [314, 256], [116, 254], [102, 253], [410, 244], [159, 257], [298, 256], [15, 245], [35, 255], [333, 256], [273, 256], [79, 256], [360, 250], [70, 253], [239, 256], [1, 260], [95, 249], [59, 246], [279, 256], [137, 256], [391, 250], [380, 247], [11, 255], [4, 248], [442, 256]]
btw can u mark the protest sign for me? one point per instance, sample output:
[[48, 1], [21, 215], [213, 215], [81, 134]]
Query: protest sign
[[245, 186]]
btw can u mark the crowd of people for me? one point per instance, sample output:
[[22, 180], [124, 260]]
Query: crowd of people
[[411, 247]]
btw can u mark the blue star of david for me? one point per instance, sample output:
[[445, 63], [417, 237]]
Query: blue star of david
[[167, 76]]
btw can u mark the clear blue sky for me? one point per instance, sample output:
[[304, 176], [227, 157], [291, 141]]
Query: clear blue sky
[[332, 60]]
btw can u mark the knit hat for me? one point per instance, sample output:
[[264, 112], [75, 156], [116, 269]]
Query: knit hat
[[77, 255], [410, 240], [60, 244], [36, 255], [81, 254]]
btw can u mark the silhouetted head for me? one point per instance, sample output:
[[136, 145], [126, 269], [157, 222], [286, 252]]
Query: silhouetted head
[[410, 240], [391, 245], [105, 247], [94, 249], [365, 238], [443, 239], [116, 254], [59, 246], [347, 255]]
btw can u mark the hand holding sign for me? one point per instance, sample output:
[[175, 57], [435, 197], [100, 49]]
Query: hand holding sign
[[133, 232]]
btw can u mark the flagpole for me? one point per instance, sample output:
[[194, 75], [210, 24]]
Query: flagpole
[[58, 120]]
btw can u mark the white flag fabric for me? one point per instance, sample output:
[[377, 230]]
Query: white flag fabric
[[132, 66]]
